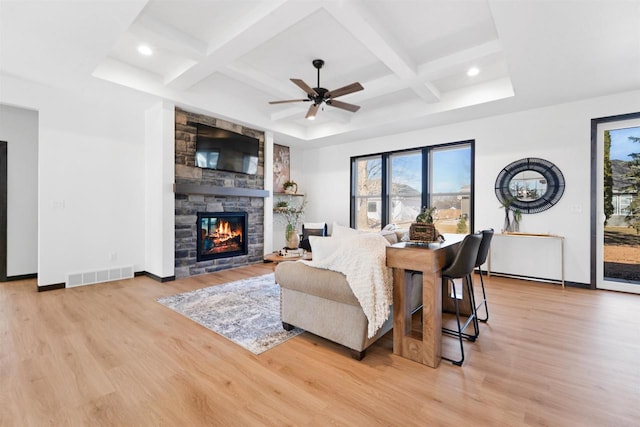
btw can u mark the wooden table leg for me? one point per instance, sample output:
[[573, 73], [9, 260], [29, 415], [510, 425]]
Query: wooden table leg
[[432, 318], [422, 346]]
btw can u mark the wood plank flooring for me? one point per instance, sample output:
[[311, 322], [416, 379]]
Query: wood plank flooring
[[109, 354]]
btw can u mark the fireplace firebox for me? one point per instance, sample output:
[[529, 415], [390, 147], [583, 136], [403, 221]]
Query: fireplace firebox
[[221, 235]]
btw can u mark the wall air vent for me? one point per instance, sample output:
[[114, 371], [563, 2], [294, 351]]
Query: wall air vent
[[98, 276]]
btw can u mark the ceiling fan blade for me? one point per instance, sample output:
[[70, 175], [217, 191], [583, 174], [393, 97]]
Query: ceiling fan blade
[[289, 100], [305, 87], [313, 109], [343, 105], [353, 87]]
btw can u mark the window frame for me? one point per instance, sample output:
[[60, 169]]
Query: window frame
[[426, 179]]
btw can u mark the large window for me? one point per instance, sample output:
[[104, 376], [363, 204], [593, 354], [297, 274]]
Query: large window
[[450, 188], [405, 191], [392, 187], [366, 176]]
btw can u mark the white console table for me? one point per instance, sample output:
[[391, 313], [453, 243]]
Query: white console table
[[527, 255]]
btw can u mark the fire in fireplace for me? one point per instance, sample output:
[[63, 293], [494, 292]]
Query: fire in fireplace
[[222, 235]]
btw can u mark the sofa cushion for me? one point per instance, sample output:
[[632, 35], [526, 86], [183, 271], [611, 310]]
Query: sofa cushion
[[315, 281], [340, 231], [391, 236], [322, 247]]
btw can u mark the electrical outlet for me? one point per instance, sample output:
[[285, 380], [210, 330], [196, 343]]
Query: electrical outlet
[[113, 256]]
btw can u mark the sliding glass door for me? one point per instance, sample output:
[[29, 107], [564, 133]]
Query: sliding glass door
[[618, 201]]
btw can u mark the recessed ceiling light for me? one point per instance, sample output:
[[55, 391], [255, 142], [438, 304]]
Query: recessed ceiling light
[[143, 49], [473, 71]]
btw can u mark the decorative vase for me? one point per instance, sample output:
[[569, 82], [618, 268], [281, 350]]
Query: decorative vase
[[507, 221], [515, 225], [291, 237]]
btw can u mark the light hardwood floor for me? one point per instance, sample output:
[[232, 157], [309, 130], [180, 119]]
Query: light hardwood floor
[[109, 354]]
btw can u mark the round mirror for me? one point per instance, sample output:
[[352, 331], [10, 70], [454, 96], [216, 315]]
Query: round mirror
[[530, 185]]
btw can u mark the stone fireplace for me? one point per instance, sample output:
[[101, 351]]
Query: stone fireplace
[[203, 191]]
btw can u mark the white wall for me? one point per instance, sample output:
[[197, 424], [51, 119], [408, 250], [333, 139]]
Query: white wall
[[268, 201], [159, 160], [91, 176], [19, 127], [560, 134]]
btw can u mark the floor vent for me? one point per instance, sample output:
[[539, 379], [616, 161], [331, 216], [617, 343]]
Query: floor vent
[[99, 276]]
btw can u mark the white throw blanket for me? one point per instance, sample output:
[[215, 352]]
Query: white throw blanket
[[362, 259]]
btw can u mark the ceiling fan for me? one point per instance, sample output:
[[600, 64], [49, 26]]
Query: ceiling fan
[[318, 94]]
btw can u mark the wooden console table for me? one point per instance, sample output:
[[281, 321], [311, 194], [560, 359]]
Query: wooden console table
[[420, 346], [276, 259]]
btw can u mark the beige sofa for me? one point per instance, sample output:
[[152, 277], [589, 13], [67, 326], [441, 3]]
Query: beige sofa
[[321, 302]]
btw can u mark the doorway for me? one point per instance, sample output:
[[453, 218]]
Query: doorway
[[3, 211], [617, 254]]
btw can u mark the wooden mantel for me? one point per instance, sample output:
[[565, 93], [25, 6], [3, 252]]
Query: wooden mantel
[[212, 190]]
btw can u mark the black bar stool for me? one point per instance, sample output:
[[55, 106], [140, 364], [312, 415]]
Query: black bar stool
[[461, 268], [483, 251]]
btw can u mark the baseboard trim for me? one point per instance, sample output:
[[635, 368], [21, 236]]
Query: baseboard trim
[[156, 278], [577, 285], [540, 279], [21, 277], [51, 287]]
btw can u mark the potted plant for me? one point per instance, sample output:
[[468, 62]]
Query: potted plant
[[290, 187], [426, 216], [423, 229], [282, 204], [292, 216]]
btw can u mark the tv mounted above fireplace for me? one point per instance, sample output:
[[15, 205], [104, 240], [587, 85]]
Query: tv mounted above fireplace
[[221, 149]]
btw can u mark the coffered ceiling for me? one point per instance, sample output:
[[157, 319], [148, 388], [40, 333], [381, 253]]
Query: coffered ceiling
[[230, 58]]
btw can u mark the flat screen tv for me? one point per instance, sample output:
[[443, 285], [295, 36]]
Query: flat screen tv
[[224, 150]]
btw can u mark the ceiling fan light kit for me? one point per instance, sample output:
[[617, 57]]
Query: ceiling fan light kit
[[319, 95]]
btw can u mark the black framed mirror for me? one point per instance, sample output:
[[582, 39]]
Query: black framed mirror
[[531, 185]]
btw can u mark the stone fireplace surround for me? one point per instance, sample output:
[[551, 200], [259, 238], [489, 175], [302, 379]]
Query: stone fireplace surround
[[203, 190]]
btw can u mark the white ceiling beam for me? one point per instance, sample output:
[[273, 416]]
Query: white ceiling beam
[[265, 21], [298, 110], [292, 111], [279, 89], [434, 69], [171, 37], [363, 25]]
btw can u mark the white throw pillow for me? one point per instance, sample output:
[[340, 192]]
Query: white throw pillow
[[340, 231], [391, 236], [322, 247]]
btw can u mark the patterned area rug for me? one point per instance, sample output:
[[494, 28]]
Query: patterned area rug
[[246, 312]]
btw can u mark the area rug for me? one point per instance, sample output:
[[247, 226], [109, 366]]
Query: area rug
[[246, 312]]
